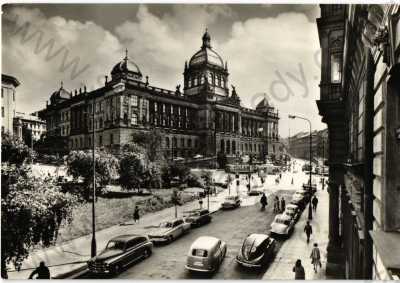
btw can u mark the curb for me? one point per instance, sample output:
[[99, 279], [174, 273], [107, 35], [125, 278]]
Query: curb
[[73, 274]]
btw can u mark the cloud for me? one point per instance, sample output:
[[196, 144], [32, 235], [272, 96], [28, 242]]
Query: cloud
[[43, 51], [273, 55]]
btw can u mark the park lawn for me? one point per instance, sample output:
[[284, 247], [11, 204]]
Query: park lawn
[[115, 211]]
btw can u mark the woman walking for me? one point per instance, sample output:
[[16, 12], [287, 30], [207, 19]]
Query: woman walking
[[298, 270], [316, 257]]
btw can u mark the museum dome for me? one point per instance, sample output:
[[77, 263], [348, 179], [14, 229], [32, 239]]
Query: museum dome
[[126, 66], [206, 54]]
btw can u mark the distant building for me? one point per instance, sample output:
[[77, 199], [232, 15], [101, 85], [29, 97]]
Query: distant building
[[299, 144], [205, 118], [31, 123], [8, 102]]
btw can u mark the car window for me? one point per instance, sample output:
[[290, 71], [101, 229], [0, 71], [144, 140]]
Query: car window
[[177, 223], [135, 242], [166, 225], [204, 212], [115, 245], [199, 252]]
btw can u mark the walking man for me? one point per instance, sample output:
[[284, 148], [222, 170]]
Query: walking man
[[308, 231], [276, 204], [298, 270], [316, 257], [42, 272], [263, 201], [283, 204], [136, 215], [314, 203]]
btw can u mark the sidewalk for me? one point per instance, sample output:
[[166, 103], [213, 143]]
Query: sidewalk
[[296, 246], [73, 255]]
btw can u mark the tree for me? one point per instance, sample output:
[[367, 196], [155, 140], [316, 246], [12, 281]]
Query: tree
[[175, 170], [32, 209], [131, 171], [80, 166], [221, 160], [152, 142]]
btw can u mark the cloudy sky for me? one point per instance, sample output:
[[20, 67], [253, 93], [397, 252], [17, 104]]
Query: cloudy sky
[[271, 50]]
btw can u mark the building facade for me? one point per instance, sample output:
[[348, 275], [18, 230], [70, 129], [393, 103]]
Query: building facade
[[299, 144], [203, 118], [31, 123], [8, 102], [360, 102]]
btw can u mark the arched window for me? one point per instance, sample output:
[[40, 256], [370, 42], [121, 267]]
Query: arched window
[[189, 82], [233, 147], [228, 147], [167, 142], [222, 146]]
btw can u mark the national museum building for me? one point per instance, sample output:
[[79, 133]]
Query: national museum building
[[205, 118]]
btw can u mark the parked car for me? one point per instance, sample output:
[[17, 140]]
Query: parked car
[[169, 230], [206, 254], [120, 252], [300, 202], [254, 192], [283, 225], [198, 217], [231, 202], [257, 250], [293, 211]]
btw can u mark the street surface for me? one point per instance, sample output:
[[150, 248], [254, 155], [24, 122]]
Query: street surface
[[231, 226]]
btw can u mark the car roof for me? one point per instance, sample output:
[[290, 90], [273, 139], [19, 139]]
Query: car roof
[[282, 216], [125, 238], [205, 243], [292, 205], [257, 238]]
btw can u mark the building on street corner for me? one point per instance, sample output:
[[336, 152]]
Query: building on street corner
[[202, 117], [360, 103], [299, 144], [8, 102]]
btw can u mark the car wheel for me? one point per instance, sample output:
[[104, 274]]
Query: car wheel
[[146, 253], [117, 269], [170, 239]]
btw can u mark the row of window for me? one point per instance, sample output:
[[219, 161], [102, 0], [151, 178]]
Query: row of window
[[200, 79], [229, 147], [8, 92], [183, 142]]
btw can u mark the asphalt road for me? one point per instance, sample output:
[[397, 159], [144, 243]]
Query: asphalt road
[[232, 226]]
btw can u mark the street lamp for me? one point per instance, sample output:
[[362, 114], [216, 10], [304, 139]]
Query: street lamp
[[93, 245], [310, 187]]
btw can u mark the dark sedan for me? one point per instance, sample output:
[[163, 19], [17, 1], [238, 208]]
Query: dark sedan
[[198, 217], [256, 251], [120, 252]]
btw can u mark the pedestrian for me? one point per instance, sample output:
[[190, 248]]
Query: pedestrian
[[42, 272], [276, 204], [283, 204], [136, 215], [308, 231], [314, 203], [280, 175], [316, 257], [292, 180], [263, 201], [298, 270], [201, 202]]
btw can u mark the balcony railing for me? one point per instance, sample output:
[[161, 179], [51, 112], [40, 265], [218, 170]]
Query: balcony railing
[[331, 92]]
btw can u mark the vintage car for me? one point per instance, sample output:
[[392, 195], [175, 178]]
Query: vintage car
[[256, 251], [168, 231], [197, 217], [231, 202], [283, 225], [254, 192], [293, 211], [206, 254], [120, 252]]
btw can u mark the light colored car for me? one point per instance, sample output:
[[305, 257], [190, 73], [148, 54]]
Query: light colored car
[[169, 230], [206, 254], [282, 225], [293, 211], [231, 202]]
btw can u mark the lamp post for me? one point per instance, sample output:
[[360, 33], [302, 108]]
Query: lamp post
[[93, 244], [310, 216]]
